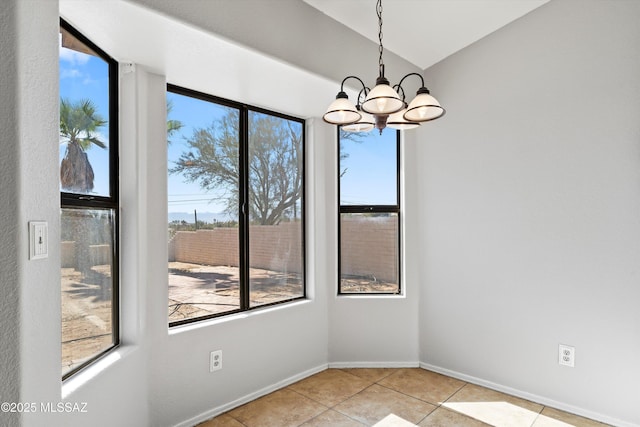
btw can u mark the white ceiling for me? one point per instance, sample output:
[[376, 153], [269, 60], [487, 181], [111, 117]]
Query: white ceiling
[[426, 31]]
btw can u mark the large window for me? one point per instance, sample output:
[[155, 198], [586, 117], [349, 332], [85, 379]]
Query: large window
[[89, 200], [235, 207], [369, 212]]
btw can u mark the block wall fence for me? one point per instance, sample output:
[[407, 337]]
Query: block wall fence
[[368, 249]]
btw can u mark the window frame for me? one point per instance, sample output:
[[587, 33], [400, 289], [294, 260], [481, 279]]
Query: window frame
[[80, 201], [244, 224], [364, 209]]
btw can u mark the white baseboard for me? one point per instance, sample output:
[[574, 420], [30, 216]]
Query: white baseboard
[[251, 396], [346, 365], [529, 396]]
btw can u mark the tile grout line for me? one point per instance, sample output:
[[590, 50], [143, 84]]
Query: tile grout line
[[439, 405], [311, 399], [537, 415], [329, 408]]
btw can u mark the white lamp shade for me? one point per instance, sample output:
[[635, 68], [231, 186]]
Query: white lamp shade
[[341, 112], [382, 100], [365, 124], [422, 108], [397, 121]]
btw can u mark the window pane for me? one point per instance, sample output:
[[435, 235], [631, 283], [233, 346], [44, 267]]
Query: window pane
[[203, 182], [87, 284], [84, 118], [369, 253], [275, 209], [368, 168]]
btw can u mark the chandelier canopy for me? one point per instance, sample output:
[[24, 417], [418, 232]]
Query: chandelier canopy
[[383, 105]]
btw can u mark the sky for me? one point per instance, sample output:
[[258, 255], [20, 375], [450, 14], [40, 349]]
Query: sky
[[371, 173], [370, 177]]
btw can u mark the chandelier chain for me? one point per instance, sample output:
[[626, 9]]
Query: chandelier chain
[[381, 48]]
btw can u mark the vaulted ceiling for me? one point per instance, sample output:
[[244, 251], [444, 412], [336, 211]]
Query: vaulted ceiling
[[426, 31]]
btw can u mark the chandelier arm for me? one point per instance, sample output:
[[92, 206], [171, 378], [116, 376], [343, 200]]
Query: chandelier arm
[[364, 87], [412, 74], [363, 92], [400, 91]]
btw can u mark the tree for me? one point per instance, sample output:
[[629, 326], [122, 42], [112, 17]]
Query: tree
[[79, 123], [173, 126], [275, 164], [352, 136]]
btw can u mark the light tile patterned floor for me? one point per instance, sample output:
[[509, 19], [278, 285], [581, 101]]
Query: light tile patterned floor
[[392, 398]]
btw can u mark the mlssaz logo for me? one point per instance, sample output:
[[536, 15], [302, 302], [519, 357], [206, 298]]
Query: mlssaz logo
[[66, 407]]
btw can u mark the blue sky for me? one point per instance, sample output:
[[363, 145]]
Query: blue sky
[[370, 176]]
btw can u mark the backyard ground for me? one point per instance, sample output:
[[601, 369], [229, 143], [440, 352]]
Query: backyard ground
[[86, 314], [194, 290]]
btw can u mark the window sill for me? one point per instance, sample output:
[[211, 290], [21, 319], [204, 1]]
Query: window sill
[[236, 316], [370, 296], [94, 370]]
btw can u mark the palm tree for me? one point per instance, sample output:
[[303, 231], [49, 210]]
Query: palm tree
[[79, 122], [173, 126]]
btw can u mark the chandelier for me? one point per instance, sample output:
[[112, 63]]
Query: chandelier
[[383, 105]]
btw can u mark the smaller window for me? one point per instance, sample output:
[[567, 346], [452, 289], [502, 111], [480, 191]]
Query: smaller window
[[89, 200], [369, 213]]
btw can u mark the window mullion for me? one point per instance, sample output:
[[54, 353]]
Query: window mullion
[[243, 204]]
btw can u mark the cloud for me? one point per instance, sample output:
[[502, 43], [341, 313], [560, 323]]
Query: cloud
[[70, 73], [73, 57]]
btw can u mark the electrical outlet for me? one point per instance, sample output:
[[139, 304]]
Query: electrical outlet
[[566, 355], [215, 361]]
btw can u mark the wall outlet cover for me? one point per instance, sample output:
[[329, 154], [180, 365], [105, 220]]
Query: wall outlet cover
[[566, 355]]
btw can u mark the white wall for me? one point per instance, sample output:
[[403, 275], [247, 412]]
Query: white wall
[[11, 249], [530, 207]]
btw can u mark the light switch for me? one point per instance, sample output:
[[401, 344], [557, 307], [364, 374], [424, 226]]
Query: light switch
[[38, 240]]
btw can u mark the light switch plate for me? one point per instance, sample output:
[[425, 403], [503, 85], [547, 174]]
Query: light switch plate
[[38, 240]]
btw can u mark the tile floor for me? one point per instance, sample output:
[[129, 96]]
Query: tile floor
[[403, 397]]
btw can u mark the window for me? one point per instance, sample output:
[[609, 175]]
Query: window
[[89, 200], [369, 212], [235, 207]]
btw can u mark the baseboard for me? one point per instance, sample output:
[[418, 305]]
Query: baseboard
[[251, 396], [529, 396], [346, 365]]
